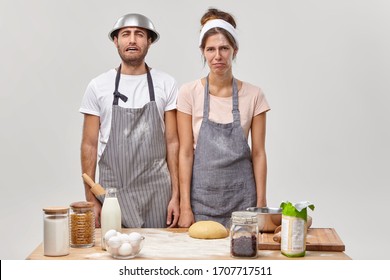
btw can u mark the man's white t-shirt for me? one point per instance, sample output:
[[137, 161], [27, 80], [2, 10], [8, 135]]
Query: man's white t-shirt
[[98, 97]]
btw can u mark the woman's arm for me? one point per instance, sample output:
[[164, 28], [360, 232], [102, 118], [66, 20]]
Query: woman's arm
[[259, 157], [186, 157]]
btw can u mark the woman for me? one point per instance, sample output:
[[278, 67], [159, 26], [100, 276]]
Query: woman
[[218, 172]]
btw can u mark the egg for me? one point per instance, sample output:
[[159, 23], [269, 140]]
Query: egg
[[114, 242], [135, 241], [125, 249], [135, 238], [124, 238], [109, 234]]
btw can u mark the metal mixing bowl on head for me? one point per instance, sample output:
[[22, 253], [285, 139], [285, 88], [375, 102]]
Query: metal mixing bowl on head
[[135, 20], [268, 218]]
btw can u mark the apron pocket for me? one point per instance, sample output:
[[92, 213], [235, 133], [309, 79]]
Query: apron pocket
[[218, 200]]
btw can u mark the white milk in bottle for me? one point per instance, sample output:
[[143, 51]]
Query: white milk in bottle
[[110, 217]]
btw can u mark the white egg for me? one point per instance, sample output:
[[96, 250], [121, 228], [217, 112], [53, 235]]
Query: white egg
[[124, 238], [135, 236], [125, 249], [114, 242], [109, 234]]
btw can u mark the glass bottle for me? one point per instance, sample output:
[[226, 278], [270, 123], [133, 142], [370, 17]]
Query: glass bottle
[[243, 235], [110, 216], [56, 231], [82, 224]]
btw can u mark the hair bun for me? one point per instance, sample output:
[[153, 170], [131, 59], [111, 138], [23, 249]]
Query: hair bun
[[213, 13]]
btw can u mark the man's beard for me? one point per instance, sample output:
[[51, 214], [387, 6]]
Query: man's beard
[[133, 60]]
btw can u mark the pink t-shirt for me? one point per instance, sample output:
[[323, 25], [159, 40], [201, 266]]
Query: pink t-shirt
[[251, 102]]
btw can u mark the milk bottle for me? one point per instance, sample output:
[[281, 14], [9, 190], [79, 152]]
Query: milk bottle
[[110, 217]]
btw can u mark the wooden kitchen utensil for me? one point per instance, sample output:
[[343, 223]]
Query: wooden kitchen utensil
[[277, 234], [96, 188]]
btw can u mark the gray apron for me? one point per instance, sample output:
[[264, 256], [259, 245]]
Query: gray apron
[[222, 173], [134, 162]]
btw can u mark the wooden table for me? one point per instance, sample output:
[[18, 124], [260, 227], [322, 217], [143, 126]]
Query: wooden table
[[175, 244]]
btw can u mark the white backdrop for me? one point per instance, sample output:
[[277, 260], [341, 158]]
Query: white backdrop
[[323, 65]]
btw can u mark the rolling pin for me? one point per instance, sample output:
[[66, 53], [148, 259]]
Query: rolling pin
[[96, 188], [277, 234]]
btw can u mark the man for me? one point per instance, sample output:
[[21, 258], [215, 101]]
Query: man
[[130, 130]]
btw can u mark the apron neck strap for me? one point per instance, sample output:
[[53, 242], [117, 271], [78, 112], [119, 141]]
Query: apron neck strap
[[150, 83], [206, 106], [118, 95]]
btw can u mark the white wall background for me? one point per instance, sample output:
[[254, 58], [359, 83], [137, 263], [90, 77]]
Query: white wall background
[[323, 65]]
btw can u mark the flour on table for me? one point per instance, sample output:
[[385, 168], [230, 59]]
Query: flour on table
[[98, 256], [161, 244]]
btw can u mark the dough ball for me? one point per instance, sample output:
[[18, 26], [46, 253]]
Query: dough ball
[[207, 230]]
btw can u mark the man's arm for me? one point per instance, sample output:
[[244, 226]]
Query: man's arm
[[89, 145], [172, 142]]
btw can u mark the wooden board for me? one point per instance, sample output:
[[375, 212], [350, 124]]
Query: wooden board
[[318, 239]]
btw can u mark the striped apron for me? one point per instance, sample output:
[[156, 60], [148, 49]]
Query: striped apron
[[222, 173], [134, 162]]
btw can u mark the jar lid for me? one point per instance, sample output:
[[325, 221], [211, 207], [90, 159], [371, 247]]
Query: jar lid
[[244, 217], [82, 204], [56, 210]]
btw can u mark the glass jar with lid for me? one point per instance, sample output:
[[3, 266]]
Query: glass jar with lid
[[243, 235], [55, 231], [82, 224]]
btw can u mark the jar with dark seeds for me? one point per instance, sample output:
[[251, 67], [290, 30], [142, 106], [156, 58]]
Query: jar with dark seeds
[[243, 235], [244, 246]]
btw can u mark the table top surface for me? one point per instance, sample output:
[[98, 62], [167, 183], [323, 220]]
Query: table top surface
[[176, 244]]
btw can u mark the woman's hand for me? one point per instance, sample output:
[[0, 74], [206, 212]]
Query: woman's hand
[[186, 218], [173, 213]]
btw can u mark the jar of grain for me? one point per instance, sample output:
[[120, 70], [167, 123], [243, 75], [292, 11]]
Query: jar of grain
[[243, 235], [82, 224]]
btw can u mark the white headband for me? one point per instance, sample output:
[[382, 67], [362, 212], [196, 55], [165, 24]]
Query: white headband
[[221, 24]]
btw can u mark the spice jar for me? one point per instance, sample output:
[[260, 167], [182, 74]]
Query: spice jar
[[243, 235], [82, 224], [56, 231]]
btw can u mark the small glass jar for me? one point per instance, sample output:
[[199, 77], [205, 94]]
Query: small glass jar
[[243, 235], [55, 231], [82, 225]]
